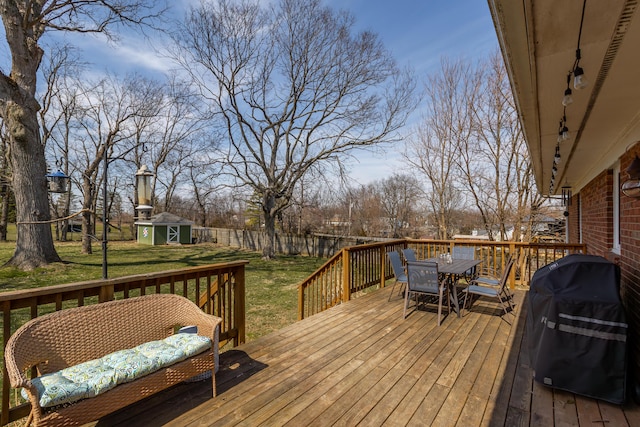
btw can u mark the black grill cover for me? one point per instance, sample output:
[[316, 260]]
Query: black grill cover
[[577, 327]]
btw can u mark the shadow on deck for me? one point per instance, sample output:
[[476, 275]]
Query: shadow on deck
[[361, 364]]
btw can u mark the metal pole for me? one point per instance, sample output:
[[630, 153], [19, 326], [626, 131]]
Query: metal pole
[[105, 226]]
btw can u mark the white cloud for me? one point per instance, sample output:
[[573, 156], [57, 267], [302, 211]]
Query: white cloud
[[130, 53]]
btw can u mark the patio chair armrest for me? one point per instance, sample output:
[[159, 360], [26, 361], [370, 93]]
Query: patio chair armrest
[[488, 272], [486, 281]]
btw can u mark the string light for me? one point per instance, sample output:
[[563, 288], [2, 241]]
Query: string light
[[579, 82], [563, 130], [567, 99]]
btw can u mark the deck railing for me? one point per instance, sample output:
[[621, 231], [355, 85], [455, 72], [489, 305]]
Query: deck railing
[[355, 269], [218, 289]]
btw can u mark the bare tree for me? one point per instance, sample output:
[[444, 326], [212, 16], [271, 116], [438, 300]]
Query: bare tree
[[495, 162], [399, 200], [203, 176], [107, 113], [366, 215], [434, 150], [305, 197], [25, 22], [5, 182], [57, 118], [166, 137], [293, 88]]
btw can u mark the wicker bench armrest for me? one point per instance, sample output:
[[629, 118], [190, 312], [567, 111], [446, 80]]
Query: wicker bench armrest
[[18, 362], [207, 324]]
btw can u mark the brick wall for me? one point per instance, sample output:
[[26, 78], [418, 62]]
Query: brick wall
[[573, 220], [597, 214], [630, 261]]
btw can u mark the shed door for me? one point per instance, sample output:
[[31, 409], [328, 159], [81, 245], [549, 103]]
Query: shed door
[[173, 234]]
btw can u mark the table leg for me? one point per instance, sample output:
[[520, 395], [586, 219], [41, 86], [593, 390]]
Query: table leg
[[454, 291]]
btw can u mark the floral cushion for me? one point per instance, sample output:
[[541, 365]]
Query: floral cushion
[[91, 378], [130, 364], [191, 344], [74, 383]]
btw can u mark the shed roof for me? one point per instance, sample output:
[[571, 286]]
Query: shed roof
[[165, 218]]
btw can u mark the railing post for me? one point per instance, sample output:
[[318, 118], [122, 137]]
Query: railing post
[[6, 386], [346, 274], [300, 302], [512, 273], [106, 293], [383, 265], [239, 306]]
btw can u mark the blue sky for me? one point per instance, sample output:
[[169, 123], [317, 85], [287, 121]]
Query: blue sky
[[417, 32]]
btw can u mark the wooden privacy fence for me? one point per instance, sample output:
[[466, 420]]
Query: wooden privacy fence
[[358, 268], [218, 289], [316, 245]]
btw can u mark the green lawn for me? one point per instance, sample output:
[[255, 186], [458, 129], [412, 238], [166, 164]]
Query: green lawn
[[271, 287]]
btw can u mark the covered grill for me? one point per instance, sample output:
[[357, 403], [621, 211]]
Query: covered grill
[[577, 327]]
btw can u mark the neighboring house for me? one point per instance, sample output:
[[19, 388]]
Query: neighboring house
[[539, 40], [481, 234], [548, 229], [470, 236], [164, 228]]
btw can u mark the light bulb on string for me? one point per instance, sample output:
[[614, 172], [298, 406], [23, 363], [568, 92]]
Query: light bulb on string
[[564, 130], [567, 99], [579, 80]]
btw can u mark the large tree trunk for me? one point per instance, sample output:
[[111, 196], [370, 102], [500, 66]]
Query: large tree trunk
[[67, 208], [268, 250], [4, 211], [34, 245], [87, 224], [268, 209]]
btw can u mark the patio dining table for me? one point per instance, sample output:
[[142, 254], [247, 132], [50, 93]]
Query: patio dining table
[[453, 271]]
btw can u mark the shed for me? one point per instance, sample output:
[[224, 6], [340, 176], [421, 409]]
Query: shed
[[164, 228]]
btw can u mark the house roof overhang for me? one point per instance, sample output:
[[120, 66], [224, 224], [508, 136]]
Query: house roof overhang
[[538, 39]]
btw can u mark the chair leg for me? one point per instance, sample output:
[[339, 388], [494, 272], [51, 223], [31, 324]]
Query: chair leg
[[406, 302], [508, 296], [447, 293], [392, 288], [440, 305], [510, 300], [464, 303], [511, 305], [397, 282], [503, 305]]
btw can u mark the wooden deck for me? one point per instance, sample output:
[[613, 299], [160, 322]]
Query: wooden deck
[[361, 364]]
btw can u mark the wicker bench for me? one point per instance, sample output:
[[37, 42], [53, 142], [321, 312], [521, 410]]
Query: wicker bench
[[67, 338]]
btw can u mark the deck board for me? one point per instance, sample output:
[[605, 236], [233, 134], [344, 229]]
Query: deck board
[[361, 363]]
